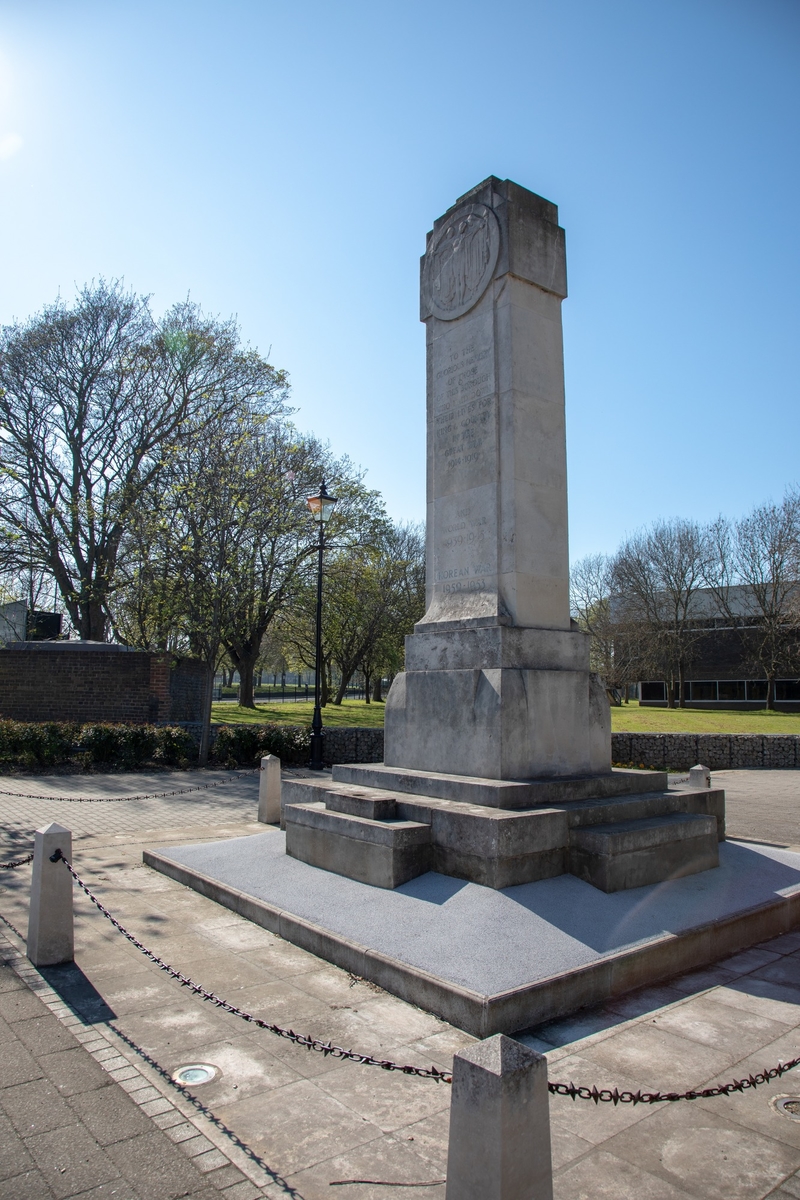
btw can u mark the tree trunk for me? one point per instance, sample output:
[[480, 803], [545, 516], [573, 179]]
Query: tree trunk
[[205, 728], [377, 695], [770, 701], [246, 667], [92, 626], [367, 696], [325, 685], [671, 693], [340, 692], [681, 689]]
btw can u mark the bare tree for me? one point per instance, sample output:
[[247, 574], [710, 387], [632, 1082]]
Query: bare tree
[[92, 398], [616, 647], [754, 573], [657, 574]]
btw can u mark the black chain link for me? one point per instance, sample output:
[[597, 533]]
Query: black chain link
[[308, 1043], [11, 866], [575, 1092], [613, 1096], [201, 787]]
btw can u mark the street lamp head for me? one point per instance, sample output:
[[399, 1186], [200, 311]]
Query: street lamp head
[[322, 505]]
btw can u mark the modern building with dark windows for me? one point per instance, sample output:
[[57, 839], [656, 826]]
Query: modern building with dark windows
[[724, 657], [746, 693]]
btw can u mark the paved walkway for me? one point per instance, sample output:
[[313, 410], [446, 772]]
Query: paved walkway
[[294, 1123], [67, 1128]]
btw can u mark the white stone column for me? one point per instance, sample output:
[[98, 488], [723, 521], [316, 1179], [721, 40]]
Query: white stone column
[[499, 1124], [497, 682], [700, 776], [269, 790], [51, 938]]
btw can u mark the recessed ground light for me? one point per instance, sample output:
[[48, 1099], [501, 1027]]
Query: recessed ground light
[[194, 1073], [787, 1106]]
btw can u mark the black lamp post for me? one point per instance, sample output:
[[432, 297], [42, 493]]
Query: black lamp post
[[321, 507]]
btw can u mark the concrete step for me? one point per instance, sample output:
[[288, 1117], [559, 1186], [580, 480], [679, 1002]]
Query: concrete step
[[499, 793], [494, 847], [383, 853], [702, 801], [634, 853]]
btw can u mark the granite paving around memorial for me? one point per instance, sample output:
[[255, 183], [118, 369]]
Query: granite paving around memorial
[[287, 1122]]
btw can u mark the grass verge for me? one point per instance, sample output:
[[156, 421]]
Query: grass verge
[[350, 713], [632, 718]]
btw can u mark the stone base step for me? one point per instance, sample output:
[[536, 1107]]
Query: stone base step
[[382, 853], [361, 830], [499, 793], [632, 854]]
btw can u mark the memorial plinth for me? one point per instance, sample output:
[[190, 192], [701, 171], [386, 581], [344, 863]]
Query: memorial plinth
[[497, 708]]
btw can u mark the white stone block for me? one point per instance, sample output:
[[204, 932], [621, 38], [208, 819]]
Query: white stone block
[[51, 937], [700, 777], [499, 1146], [269, 790]]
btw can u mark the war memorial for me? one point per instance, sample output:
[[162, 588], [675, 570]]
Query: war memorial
[[495, 869]]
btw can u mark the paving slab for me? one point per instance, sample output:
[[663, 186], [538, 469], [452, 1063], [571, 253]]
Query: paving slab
[[56, 1141], [256, 1067], [543, 947]]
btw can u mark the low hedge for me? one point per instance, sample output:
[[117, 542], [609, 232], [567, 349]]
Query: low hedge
[[244, 745], [29, 745]]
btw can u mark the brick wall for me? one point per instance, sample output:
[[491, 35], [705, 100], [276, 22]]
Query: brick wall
[[187, 683], [50, 681]]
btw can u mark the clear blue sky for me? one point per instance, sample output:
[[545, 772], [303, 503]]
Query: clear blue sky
[[283, 161]]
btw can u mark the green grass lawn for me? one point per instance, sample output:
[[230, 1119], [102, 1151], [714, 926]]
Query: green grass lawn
[[631, 718], [350, 713]]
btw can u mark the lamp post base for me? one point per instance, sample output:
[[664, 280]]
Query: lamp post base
[[315, 761]]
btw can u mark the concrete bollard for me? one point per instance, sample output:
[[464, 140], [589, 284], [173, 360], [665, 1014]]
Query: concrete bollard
[[51, 937], [269, 790], [700, 777], [499, 1146]]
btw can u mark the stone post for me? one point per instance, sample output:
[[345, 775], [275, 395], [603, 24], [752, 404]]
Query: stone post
[[499, 1145], [51, 938], [700, 777], [269, 790]]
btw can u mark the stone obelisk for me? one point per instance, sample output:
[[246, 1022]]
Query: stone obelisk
[[497, 682]]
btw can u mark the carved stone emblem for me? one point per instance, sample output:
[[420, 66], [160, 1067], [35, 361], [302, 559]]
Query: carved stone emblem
[[460, 261]]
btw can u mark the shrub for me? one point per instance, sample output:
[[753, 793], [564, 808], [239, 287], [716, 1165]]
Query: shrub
[[244, 745], [176, 746], [30, 744], [122, 745]]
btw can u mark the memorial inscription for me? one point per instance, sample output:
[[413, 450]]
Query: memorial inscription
[[463, 438]]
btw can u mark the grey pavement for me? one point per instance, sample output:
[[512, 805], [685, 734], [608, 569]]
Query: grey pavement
[[491, 941], [294, 1122], [762, 805], [67, 1128]]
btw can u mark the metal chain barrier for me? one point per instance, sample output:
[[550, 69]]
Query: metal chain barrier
[[12, 866], [299, 1039], [201, 787], [597, 1095], [613, 1096]]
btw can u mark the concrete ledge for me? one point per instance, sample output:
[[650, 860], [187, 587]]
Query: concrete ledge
[[480, 1010], [633, 854], [500, 793], [383, 854]]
